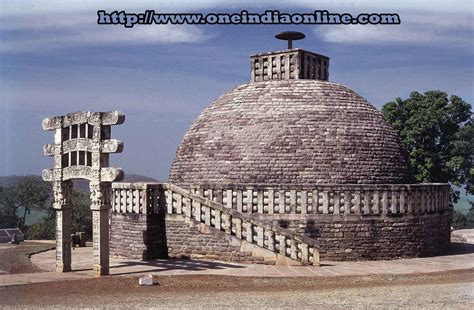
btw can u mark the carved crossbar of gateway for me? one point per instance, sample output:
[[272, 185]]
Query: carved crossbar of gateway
[[81, 149]]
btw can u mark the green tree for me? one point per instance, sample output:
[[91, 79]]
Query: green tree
[[30, 193], [438, 134], [8, 217], [81, 214], [81, 220], [16, 201]]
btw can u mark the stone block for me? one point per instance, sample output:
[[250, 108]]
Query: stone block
[[146, 280]]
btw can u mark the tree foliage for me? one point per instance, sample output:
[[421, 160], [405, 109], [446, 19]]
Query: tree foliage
[[19, 198], [81, 220], [438, 134], [28, 194]]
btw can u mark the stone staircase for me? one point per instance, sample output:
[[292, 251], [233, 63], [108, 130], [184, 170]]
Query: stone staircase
[[244, 233], [188, 239], [282, 242]]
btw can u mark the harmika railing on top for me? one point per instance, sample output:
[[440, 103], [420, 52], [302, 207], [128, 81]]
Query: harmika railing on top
[[149, 198], [330, 199]]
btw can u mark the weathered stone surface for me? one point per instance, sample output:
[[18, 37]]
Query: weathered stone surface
[[146, 280], [81, 151], [343, 238], [138, 236], [288, 65], [188, 240], [290, 132], [93, 118]]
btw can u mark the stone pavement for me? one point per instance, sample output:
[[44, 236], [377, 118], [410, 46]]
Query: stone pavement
[[467, 235], [82, 266]]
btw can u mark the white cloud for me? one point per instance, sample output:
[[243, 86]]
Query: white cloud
[[38, 25], [100, 35], [412, 34], [432, 26]]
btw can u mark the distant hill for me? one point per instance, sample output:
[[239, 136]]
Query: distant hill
[[12, 180], [83, 185], [79, 185]]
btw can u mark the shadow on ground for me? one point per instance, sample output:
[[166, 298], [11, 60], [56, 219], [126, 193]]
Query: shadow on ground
[[165, 265], [458, 248]]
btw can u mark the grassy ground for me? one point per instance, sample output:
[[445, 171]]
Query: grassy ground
[[15, 258]]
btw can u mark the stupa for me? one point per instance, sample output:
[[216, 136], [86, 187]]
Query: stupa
[[289, 164]]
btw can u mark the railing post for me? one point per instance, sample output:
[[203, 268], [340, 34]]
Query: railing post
[[315, 256], [282, 241], [250, 201], [249, 230], [207, 215], [217, 219], [169, 201], [347, 202], [271, 240], [366, 208], [376, 209], [260, 236], [357, 202], [238, 228], [239, 200], [292, 201], [402, 201], [281, 201], [260, 201], [393, 202], [304, 253], [229, 198], [336, 203], [293, 249], [271, 201], [304, 202], [384, 202]]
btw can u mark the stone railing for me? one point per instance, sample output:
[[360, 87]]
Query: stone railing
[[330, 199], [142, 198], [147, 198]]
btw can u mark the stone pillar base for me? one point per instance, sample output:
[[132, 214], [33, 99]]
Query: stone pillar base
[[100, 240], [63, 239]]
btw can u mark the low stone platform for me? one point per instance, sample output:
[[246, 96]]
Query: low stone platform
[[464, 235], [82, 266]]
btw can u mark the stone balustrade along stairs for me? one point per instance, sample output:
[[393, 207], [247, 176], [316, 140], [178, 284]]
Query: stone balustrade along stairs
[[281, 241], [149, 199]]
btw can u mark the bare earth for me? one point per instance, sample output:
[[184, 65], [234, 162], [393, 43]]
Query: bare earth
[[445, 282], [15, 258], [453, 290]]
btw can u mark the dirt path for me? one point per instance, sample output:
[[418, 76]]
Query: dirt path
[[15, 258], [440, 290]]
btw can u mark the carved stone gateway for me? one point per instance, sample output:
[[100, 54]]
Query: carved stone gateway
[[81, 150]]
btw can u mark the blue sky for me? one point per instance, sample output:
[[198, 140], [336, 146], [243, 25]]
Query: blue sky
[[55, 59]]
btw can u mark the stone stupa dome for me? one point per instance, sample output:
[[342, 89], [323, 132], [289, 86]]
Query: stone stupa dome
[[289, 125]]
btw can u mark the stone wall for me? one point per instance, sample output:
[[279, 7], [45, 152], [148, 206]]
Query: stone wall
[[373, 223], [138, 236], [189, 239], [146, 237], [343, 238]]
